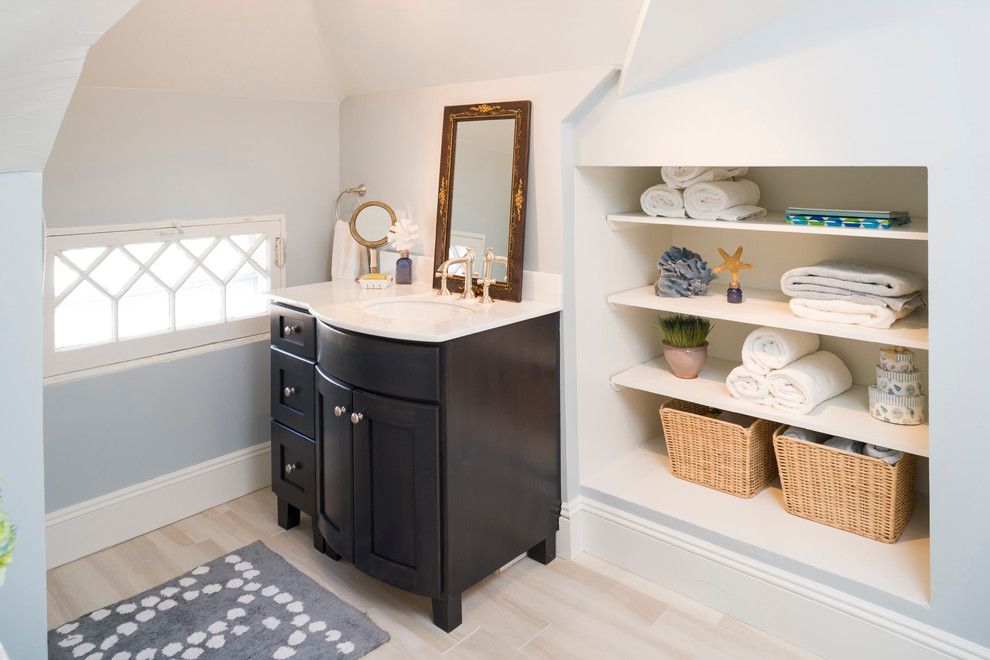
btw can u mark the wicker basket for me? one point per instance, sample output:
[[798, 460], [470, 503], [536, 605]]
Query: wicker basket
[[717, 454], [857, 493]]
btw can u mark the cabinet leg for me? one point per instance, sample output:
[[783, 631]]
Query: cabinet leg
[[288, 515], [320, 543], [447, 611], [545, 551]]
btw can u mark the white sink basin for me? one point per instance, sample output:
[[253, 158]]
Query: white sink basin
[[422, 310]]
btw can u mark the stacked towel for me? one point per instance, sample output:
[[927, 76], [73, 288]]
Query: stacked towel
[[889, 456], [662, 200], [723, 200], [784, 369], [802, 385], [851, 293], [709, 193], [806, 434], [845, 444]]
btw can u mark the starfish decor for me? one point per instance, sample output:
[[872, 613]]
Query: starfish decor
[[733, 264]]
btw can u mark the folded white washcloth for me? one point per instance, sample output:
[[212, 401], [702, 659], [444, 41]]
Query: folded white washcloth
[[723, 200], [889, 456], [867, 285], [745, 384], [845, 444], [662, 200], [846, 311], [806, 434], [802, 385], [766, 349], [681, 176]]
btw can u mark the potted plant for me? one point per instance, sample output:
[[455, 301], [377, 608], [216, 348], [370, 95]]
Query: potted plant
[[7, 537], [685, 343]]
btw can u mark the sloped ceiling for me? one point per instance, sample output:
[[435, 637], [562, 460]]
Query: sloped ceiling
[[672, 33], [43, 44]]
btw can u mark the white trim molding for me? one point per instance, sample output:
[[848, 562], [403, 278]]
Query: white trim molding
[[823, 620], [90, 526]]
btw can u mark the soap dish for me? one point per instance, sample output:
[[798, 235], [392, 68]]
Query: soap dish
[[375, 281]]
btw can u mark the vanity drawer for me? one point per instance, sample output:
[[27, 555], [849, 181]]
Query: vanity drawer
[[401, 369], [294, 332], [294, 468], [294, 392]]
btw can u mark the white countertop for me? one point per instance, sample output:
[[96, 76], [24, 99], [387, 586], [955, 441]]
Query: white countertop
[[343, 305]]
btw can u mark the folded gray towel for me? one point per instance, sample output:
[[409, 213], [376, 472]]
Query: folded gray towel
[[845, 444], [805, 434], [889, 456], [867, 285]]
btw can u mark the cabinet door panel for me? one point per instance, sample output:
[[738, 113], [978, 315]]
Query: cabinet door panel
[[335, 496], [396, 492]]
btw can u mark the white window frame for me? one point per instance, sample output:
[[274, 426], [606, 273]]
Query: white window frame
[[113, 355]]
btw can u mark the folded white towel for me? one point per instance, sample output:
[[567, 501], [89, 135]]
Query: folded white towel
[[867, 285], [723, 200], [681, 176], [889, 456], [845, 444], [745, 384], [801, 386], [766, 349], [845, 311], [662, 200], [806, 434]]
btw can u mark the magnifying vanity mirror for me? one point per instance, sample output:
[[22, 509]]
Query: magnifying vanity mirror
[[369, 225], [481, 202]]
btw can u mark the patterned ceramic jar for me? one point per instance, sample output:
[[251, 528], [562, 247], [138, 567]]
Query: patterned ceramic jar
[[906, 410], [896, 358], [901, 383]]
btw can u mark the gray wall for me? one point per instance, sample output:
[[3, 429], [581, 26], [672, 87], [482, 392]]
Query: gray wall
[[126, 156], [22, 598]]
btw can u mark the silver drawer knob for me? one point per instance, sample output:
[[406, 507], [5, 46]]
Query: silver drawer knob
[[356, 417], [291, 467], [289, 391], [290, 330], [339, 410]]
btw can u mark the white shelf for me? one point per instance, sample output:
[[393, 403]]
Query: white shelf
[[642, 478], [845, 415], [770, 308], [917, 230]]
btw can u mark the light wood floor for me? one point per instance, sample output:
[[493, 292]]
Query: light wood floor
[[570, 609]]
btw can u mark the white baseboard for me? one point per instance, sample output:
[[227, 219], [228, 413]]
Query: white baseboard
[[823, 620], [101, 522]]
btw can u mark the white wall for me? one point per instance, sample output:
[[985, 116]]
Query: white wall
[[391, 141], [849, 83], [125, 156], [23, 610]]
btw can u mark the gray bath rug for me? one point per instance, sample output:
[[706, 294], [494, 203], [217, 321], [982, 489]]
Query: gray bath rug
[[248, 604]]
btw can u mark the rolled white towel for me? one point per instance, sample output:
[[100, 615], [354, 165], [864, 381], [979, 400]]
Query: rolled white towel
[[802, 385], [682, 176], [723, 200], [846, 311], [806, 434], [845, 444], [889, 456], [766, 349], [745, 384], [662, 200]]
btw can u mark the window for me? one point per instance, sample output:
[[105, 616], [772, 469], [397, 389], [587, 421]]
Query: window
[[119, 294]]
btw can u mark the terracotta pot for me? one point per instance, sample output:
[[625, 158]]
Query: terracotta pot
[[685, 362]]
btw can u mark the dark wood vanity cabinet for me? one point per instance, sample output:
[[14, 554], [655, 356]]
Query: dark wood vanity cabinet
[[435, 464]]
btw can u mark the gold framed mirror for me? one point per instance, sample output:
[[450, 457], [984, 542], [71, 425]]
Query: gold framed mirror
[[481, 199], [369, 227]]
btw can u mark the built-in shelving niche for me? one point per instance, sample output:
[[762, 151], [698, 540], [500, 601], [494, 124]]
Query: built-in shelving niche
[[621, 383]]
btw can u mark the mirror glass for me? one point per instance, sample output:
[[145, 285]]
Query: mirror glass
[[481, 192], [370, 223]]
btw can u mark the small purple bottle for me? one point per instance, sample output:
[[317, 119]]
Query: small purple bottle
[[403, 268]]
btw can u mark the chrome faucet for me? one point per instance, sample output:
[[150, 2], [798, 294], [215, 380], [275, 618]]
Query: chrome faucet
[[468, 261], [486, 281]]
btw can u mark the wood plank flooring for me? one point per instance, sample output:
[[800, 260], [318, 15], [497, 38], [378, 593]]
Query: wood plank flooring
[[570, 609]]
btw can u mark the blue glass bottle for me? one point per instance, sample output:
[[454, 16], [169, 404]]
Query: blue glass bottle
[[403, 268]]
